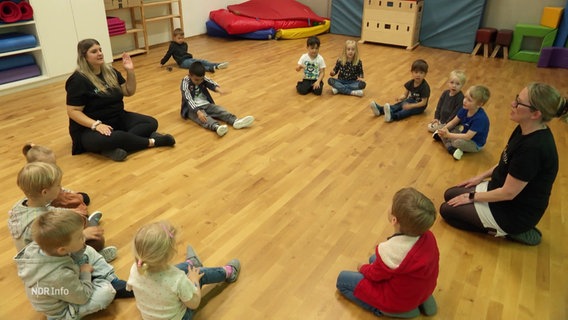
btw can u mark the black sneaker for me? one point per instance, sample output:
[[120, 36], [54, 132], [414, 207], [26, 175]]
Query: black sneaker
[[436, 136], [86, 198], [451, 150], [162, 140], [117, 154], [530, 238]]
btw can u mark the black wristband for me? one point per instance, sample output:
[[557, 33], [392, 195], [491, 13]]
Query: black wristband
[[472, 196]]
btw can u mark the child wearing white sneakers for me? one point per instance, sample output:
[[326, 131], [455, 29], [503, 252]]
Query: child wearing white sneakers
[[41, 183], [413, 101], [198, 105], [475, 123], [349, 71], [450, 102]]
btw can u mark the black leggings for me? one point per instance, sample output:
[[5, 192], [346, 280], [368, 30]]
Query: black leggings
[[306, 86], [463, 217], [131, 132]]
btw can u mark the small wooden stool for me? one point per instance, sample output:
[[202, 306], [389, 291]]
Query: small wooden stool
[[485, 37], [504, 38]]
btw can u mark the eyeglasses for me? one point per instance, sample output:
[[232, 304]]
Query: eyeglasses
[[518, 103]]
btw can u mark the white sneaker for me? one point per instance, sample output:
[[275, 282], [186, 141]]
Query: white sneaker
[[222, 130], [109, 253], [94, 218], [243, 122], [334, 91], [458, 154], [223, 65], [358, 93], [375, 107], [388, 117]]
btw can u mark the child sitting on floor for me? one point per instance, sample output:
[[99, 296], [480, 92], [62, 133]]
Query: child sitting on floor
[[197, 103], [414, 100], [78, 201], [63, 278], [450, 102], [313, 65], [41, 183], [178, 49], [349, 71], [164, 291], [401, 276], [475, 123]]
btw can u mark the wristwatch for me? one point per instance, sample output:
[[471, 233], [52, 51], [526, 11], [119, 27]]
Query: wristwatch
[[95, 124], [472, 196]]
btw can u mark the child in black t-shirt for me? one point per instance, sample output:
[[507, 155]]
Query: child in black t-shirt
[[413, 101]]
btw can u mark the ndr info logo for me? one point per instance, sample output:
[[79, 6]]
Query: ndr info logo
[[49, 291]]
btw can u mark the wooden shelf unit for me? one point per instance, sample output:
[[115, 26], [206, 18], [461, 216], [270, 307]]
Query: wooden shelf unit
[[170, 15], [134, 28]]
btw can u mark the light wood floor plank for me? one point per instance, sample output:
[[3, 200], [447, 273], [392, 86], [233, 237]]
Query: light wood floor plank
[[305, 192]]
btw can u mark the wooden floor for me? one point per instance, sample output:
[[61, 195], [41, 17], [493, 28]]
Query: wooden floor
[[305, 192]]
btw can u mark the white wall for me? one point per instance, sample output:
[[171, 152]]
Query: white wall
[[196, 13]]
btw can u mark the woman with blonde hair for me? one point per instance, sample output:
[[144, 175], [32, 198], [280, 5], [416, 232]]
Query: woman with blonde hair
[[97, 120], [515, 198]]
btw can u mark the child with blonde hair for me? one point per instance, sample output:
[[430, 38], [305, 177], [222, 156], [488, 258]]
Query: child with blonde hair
[[475, 123], [401, 276], [56, 283], [450, 102], [78, 201], [164, 291], [41, 183], [349, 71]]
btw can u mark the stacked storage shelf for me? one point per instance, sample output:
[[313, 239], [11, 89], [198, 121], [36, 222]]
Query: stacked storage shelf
[[394, 22]]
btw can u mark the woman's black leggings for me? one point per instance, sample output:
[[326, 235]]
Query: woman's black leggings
[[462, 217], [131, 133]]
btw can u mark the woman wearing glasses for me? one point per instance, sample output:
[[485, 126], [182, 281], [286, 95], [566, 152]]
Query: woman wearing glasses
[[512, 202]]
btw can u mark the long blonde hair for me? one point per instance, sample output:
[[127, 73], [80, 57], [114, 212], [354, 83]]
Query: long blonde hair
[[86, 69], [154, 246], [343, 57]]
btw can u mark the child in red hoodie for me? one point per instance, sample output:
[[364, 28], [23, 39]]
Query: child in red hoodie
[[401, 276]]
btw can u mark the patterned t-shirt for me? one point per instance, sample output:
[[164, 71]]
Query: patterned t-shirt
[[312, 67], [348, 71]]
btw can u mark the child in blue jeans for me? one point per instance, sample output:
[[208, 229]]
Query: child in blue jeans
[[401, 276], [178, 50], [164, 291], [349, 71], [413, 101]]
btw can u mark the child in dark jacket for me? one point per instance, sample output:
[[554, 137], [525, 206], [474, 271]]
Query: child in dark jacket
[[198, 105], [178, 49], [401, 276]]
